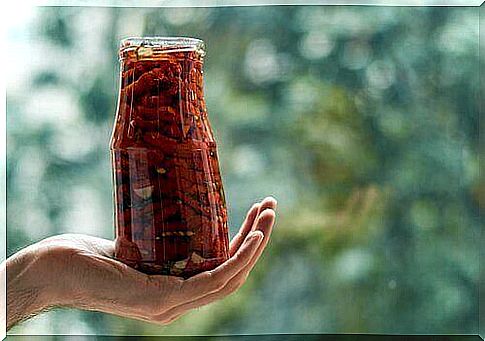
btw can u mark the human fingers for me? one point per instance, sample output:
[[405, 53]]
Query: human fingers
[[250, 221], [268, 202], [265, 222], [245, 229], [267, 219], [213, 280]]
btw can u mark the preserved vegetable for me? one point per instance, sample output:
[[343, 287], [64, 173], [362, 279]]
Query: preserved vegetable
[[170, 211]]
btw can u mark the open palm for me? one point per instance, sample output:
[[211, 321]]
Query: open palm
[[88, 277]]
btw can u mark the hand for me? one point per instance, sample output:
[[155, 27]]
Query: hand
[[79, 271]]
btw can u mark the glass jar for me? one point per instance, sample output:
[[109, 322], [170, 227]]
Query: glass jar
[[170, 211]]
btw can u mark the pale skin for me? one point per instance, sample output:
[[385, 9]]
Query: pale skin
[[79, 271]]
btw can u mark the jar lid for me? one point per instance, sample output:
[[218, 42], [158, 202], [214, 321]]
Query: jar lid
[[147, 47]]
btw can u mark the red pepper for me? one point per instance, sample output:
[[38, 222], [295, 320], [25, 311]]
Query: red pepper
[[169, 199]]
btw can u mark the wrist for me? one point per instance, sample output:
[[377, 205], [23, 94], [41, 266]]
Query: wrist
[[29, 290]]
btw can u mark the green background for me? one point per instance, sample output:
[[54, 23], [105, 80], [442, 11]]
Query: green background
[[361, 121]]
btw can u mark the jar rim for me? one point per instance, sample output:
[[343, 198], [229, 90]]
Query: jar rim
[[163, 44]]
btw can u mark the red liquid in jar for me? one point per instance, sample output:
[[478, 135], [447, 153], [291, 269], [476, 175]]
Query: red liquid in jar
[[170, 211]]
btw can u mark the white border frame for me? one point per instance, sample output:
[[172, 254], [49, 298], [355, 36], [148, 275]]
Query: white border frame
[[3, 176], [230, 3], [9, 8]]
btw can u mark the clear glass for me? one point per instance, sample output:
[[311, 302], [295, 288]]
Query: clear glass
[[170, 211]]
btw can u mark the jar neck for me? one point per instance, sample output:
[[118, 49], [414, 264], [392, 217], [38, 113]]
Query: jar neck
[[171, 74], [161, 97], [163, 66]]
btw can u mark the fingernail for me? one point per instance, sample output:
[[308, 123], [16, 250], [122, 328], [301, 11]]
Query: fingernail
[[257, 235], [272, 199]]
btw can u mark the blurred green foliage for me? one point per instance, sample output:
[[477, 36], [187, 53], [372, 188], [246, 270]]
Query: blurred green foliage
[[361, 121]]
